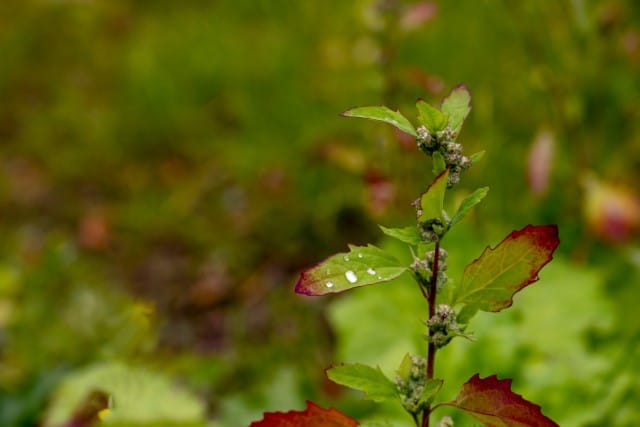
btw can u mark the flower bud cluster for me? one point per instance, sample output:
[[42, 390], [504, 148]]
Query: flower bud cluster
[[431, 230], [425, 267], [411, 387], [451, 151], [443, 326]]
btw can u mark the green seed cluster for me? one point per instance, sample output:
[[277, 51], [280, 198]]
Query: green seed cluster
[[451, 151], [443, 326], [431, 230], [411, 388], [425, 267]]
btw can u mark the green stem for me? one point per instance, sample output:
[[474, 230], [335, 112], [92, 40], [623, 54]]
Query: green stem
[[431, 349]]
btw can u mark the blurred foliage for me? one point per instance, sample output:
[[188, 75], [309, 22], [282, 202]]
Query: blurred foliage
[[166, 169]]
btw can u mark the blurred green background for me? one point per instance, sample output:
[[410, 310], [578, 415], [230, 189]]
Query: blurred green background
[[167, 168]]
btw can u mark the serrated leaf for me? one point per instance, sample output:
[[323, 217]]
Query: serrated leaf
[[492, 402], [439, 163], [432, 118], [456, 106], [490, 281], [476, 157], [383, 114], [469, 202], [313, 416], [361, 266], [409, 234], [371, 381], [432, 200]]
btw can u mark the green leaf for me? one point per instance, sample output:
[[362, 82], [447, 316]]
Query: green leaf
[[361, 266], [490, 281], [469, 202], [404, 370], [383, 114], [431, 117], [439, 163], [409, 234], [475, 157], [371, 381], [456, 106], [432, 200], [431, 388]]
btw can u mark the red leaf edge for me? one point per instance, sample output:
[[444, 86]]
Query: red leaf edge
[[527, 413], [313, 416], [548, 240]]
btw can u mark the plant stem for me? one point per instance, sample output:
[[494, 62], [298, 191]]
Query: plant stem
[[431, 348]]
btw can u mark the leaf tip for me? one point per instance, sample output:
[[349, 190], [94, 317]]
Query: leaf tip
[[303, 285]]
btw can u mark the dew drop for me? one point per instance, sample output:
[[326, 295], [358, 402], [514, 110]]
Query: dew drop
[[351, 276], [329, 284], [359, 255], [379, 277], [346, 257], [371, 271]]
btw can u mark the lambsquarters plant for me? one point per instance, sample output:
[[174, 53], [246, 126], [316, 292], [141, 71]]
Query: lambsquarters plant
[[487, 284]]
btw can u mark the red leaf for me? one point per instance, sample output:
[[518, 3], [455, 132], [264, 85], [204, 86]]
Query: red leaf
[[490, 281], [313, 416], [492, 402]]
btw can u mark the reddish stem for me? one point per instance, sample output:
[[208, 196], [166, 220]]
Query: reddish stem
[[431, 349]]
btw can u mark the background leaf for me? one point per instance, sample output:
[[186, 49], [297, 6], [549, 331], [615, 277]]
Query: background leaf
[[383, 114], [432, 200], [457, 106], [140, 397], [492, 402], [469, 202], [313, 416], [371, 381], [490, 281], [431, 117], [361, 266]]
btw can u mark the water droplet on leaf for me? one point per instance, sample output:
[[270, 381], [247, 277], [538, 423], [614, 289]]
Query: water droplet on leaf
[[371, 271], [329, 284], [346, 257], [351, 276], [359, 255]]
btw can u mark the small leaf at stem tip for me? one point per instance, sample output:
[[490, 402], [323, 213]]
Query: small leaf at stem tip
[[363, 265], [491, 401], [490, 282], [432, 200], [439, 163], [476, 157], [469, 202], [457, 106], [431, 117], [371, 381], [409, 234], [313, 416], [383, 114]]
